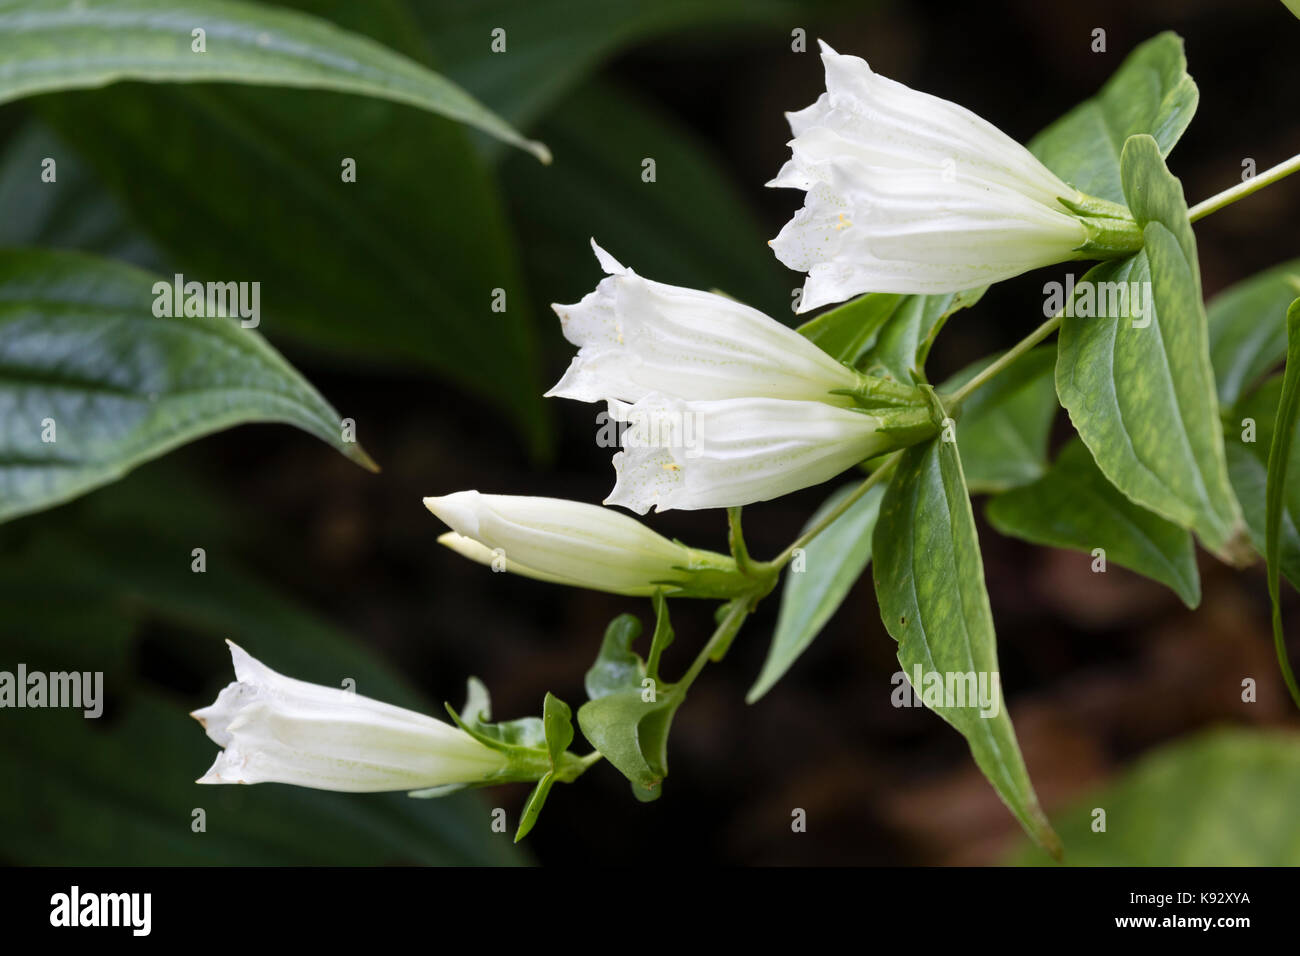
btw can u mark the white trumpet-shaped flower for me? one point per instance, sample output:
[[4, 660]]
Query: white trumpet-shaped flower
[[636, 337], [274, 729], [719, 454], [910, 193], [568, 542]]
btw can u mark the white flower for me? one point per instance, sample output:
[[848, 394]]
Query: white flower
[[739, 451], [568, 542], [910, 193], [275, 729], [636, 336]]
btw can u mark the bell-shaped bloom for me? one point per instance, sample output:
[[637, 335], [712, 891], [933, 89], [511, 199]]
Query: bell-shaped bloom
[[636, 337], [568, 542], [720, 454], [274, 729], [910, 193]]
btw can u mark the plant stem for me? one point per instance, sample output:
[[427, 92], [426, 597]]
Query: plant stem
[[1244, 189], [736, 538], [784, 557], [1005, 360], [722, 636]]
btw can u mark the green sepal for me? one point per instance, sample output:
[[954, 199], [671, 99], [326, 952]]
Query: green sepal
[[1112, 231]]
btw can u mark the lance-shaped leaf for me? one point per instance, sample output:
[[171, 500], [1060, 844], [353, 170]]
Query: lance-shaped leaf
[[1150, 93], [92, 383], [930, 584], [1074, 506], [1133, 367], [1248, 329], [557, 724], [91, 43], [818, 581], [1279, 461]]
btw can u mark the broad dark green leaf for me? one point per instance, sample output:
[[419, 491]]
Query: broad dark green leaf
[[1005, 424], [1138, 383], [1074, 506], [550, 45], [94, 383], [73, 212], [92, 43], [690, 227], [400, 266], [1248, 436], [818, 581], [120, 789], [1150, 93], [1223, 798], [1276, 495], [929, 577], [1247, 328]]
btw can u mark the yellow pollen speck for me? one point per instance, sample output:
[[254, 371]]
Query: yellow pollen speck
[[672, 466], [843, 223]]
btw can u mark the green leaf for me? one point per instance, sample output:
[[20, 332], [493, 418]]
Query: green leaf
[[1006, 423], [1254, 417], [74, 212], [523, 733], [1074, 506], [97, 384], [617, 666], [96, 42], [847, 331], [1247, 331], [1223, 798], [691, 226], [558, 723], [550, 45], [904, 340], [929, 579], [1139, 387], [1150, 93], [817, 583], [398, 267], [630, 711], [1279, 461]]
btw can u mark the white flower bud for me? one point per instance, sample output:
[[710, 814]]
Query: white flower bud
[[275, 729], [568, 542]]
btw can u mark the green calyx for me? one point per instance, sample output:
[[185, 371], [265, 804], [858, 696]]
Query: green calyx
[[1112, 231], [875, 392]]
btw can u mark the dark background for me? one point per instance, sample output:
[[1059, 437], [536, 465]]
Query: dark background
[[1097, 669]]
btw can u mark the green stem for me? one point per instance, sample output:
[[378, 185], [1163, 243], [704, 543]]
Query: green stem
[[1004, 361], [784, 557], [1244, 189], [721, 639]]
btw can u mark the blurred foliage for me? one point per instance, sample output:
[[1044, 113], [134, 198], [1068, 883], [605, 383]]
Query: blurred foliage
[[1223, 798]]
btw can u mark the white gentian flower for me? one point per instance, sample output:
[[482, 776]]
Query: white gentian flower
[[740, 450], [568, 542], [636, 336], [275, 729], [910, 193]]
